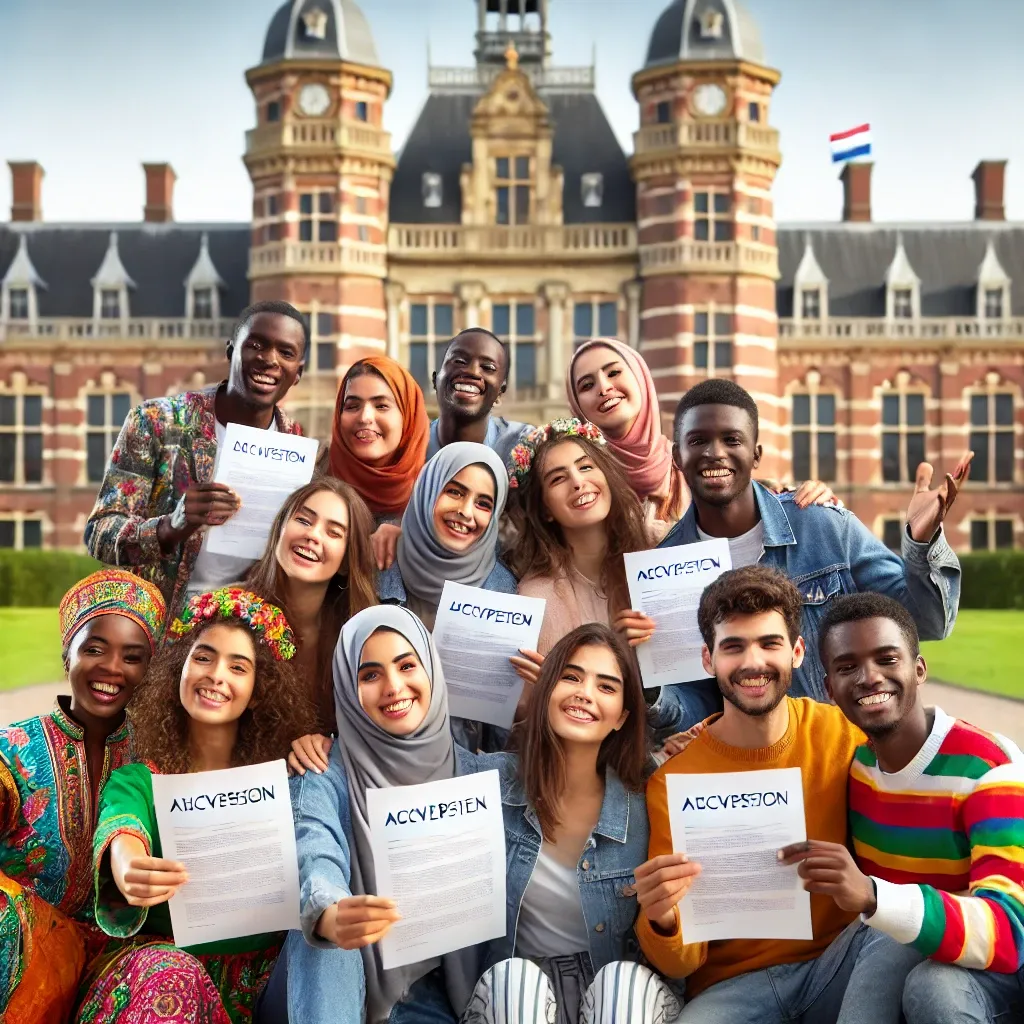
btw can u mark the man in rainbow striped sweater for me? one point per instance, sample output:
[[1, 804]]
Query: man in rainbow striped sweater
[[937, 822]]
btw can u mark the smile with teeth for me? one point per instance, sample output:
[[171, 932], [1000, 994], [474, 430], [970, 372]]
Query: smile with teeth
[[583, 500], [368, 435], [756, 683], [609, 403], [307, 554], [876, 698], [579, 712], [213, 695], [457, 526], [399, 707], [468, 389], [108, 688], [714, 474], [263, 378]]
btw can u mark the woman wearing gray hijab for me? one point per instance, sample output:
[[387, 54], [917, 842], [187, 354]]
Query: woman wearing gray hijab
[[393, 730], [450, 532]]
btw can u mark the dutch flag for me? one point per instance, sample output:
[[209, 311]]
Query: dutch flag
[[850, 144]]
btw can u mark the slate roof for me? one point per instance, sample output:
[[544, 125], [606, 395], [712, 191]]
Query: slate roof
[[347, 34], [157, 257], [583, 142], [677, 34], [946, 258]]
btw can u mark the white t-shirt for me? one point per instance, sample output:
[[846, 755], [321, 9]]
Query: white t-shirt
[[211, 570], [551, 921], [746, 549]]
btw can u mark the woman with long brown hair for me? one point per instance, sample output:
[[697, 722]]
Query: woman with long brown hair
[[318, 569]]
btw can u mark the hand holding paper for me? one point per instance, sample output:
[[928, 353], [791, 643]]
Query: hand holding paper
[[144, 881], [357, 921], [661, 883], [830, 869]]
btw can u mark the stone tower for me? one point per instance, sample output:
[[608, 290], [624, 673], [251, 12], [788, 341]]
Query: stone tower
[[704, 162]]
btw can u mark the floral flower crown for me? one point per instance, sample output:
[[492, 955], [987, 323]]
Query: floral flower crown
[[521, 459], [266, 620]]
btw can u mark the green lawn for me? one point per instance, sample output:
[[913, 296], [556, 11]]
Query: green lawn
[[29, 647], [981, 653]]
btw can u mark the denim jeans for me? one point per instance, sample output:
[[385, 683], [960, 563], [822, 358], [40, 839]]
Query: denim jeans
[[811, 992], [938, 993], [426, 1003]]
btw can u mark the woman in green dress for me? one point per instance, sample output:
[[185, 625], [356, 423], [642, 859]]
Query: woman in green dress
[[222, 694]]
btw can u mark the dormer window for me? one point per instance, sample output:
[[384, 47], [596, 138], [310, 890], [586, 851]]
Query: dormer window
[[810, 287], [592, 187], [711, 24], [902, 286], [202, 300], [902, 304], [993, 290], [20, 287], [202, 286], [810, 304], [110, 304], [19, 304], [993, 303], [110, 285], [433, 190]]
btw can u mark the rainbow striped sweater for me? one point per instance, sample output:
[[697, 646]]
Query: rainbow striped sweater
[[944, 841]]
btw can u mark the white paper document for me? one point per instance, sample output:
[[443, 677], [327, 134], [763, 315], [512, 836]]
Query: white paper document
[[439, 853], [232, 829], [262, 467], [665, 584], [734, 824], [476, 632]]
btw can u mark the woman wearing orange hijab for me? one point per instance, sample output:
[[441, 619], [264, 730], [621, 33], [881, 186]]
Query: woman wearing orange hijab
[[379, 440]]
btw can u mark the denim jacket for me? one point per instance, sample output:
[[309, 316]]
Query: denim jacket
[[827, 551], [391, 586], [616, 848]]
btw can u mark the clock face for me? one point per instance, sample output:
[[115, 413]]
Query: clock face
[[314, 99], [709, 99]]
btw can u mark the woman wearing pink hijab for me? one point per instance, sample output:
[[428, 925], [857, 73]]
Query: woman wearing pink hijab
[[610, 385]]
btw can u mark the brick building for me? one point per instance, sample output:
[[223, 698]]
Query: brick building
[[511, 205]]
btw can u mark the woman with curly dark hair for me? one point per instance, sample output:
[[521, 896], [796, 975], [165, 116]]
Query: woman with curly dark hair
[[221, 695]]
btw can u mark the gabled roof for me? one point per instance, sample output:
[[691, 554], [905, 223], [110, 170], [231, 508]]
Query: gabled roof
[[809, 272], [203, 273], [900, 272], [112, 273], [21, 272], [991, 270]]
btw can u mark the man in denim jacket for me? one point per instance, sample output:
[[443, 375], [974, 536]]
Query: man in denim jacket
[[825, 551]]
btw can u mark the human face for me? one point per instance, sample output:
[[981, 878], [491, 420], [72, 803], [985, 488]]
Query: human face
[[464, 508], [753, 661], [394, 690], [472, 376], [219, 674], [872, 674], [717, 452], [607, 390], [586, 704], [575, 492], [312, 545], [107, 659], [267, 360], [371, 421]]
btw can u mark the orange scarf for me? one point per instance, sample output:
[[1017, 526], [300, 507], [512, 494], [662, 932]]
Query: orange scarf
[[385, 489]]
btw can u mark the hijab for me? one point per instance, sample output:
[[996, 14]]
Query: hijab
[[645, 453], [385, 489], [374, 759], [425, 563]]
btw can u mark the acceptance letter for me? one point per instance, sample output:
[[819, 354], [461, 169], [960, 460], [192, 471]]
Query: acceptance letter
[[439, 853], [733, 824], [232, 829]]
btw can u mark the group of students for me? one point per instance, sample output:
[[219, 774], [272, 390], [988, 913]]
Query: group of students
[[183, 660]]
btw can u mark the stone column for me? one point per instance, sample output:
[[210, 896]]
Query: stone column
[[394, 292], [634, 291], [556, 294], [470, 294]]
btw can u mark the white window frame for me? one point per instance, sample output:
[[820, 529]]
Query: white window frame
[[107, 391], [512, 339], [317, 217], [431, 339], [595, 305], [19, 519], [814, 429], [990, 519], [901, 390], [712, 339], [991, 391], [712, 216], [19, 392]]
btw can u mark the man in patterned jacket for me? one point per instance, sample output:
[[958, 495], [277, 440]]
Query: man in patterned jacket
[[158, 492]]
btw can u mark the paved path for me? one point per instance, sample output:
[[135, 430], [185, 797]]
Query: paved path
[[997, 714]]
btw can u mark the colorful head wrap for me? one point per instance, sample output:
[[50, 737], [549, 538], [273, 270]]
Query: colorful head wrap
[[112, 592], [521, 459], [266, 620]]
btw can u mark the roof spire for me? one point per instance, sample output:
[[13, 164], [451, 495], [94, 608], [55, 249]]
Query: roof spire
[[512, 57]]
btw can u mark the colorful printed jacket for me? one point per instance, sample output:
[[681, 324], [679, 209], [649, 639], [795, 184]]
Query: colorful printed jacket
[[165, 445]]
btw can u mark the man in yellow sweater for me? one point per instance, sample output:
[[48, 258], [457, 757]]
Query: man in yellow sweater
[[750, 621]]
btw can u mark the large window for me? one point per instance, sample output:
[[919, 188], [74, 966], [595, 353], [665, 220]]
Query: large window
[[512, 189], [21, 533], [326, 346], [317, 221], [594, 320], [104, 416], [21, 439], [993, 534], [712, 342], [430, 330], [516, 324], [903, 447], [712, 217], [892, 533], [814, 437], [992, 438]]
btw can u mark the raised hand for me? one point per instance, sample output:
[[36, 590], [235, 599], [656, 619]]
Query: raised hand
[[928, 508]]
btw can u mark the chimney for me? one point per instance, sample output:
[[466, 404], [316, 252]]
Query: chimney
[[160, 179], [856, 179], [26, 191], [988, 190]]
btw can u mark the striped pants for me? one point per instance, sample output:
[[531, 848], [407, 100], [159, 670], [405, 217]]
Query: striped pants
[[564, 990]]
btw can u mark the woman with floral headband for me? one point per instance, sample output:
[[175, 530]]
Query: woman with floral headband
[[52, 769], [220, 695]]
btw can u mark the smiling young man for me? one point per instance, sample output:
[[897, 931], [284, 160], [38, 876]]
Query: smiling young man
[[158, 492], [937, 821], [750, 621], [826, 551], [471, 381]]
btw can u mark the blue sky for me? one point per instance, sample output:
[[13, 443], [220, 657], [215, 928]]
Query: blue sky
[[93, 88]]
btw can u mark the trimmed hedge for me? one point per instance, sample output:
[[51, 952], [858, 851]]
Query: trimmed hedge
[[39, 579], [993, 579]]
